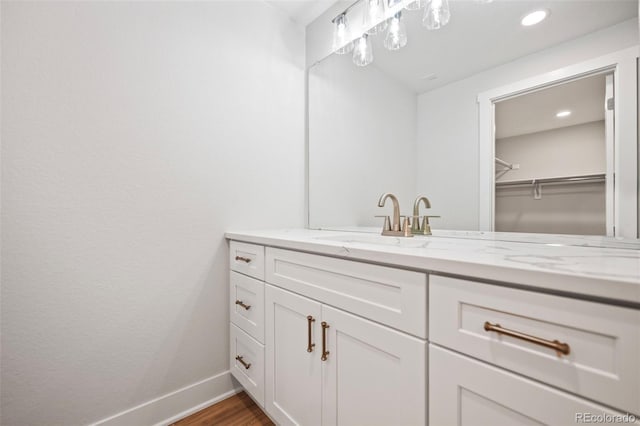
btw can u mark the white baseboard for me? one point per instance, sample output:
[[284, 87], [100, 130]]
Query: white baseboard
[[177, 404]]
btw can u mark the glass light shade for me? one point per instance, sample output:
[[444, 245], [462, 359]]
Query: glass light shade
[[397, 34], [416, 5], [436, 14], [341, 41], [373, 19], [362, 51]]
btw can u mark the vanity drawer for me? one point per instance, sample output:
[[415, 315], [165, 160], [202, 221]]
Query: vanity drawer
[[246, 304], [390, 296], [249, 369], [603, 340], [247, 259], [467, 392]]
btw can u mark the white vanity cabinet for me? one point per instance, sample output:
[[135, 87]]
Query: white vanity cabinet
[[568, 358], [337, 342], [328, 367], [246, 314], [344, 342]]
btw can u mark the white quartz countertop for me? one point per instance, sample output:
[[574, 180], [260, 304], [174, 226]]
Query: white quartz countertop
[[566, 264]]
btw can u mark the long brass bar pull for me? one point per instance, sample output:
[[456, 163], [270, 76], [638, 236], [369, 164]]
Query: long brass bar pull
[[241, 303], [310, 321], [243, 259], [561, 348], [241, 360], [325, 352]]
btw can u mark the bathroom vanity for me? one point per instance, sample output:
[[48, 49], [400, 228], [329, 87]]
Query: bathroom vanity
[[352, 328]]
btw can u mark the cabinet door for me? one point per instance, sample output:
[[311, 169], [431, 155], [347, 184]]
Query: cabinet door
[[467, 392], [293, 386], [373, 375]]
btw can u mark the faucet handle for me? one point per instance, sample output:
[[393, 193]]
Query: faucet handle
[[406, 227], [425, 229], [387, 222]]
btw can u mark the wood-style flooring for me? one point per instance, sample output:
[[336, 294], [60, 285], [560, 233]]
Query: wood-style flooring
[[238, 410]]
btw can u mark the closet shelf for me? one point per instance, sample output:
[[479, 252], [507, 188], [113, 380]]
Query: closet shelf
[[599, 177]]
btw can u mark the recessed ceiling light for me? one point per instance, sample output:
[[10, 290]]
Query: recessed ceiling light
[[563, 114], [534, 17]]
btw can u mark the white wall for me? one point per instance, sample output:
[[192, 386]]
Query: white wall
[[134, 135], [447, 149], [361, 143], [566, 151]]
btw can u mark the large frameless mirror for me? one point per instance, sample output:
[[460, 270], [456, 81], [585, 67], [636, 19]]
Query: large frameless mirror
[[411, 122]]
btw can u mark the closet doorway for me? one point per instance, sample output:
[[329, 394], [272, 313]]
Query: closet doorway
[[554, 159]]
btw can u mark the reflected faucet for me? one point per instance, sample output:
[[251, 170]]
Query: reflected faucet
[[395, 229], [425, 229]]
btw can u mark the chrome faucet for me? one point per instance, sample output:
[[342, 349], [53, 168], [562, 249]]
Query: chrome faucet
[[394, 228], [425, 229]]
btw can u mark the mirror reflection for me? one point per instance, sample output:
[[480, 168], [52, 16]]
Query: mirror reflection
[[551, 151], [408, 122]]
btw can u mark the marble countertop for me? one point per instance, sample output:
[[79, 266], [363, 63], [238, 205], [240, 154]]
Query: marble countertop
[[596, 267]]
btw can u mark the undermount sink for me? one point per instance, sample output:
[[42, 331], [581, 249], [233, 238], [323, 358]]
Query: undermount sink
[[415, 242]]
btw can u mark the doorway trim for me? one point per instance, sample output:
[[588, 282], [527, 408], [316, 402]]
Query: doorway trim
[[623, 64]]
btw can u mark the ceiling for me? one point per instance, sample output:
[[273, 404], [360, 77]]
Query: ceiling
[[536, 111], [481, 36], [303, 11]]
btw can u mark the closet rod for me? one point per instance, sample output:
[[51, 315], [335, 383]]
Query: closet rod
[[600, 177]]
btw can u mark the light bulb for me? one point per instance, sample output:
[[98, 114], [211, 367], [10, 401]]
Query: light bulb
[[373, 19], [397, 34], [436, 14], [341, 42], [416, 5], [362, 51]]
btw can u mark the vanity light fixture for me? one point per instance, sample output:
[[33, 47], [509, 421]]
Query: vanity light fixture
[[362, 51], [341, 41], [436, 14], [397, 34], [535, 17], [563, 114], [373, 17], [416, 5]]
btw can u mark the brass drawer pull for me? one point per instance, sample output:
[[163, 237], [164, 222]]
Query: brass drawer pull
[[561, 348], [239, 302], [325, 352], [310, 345], [243, 259], [241, 359]]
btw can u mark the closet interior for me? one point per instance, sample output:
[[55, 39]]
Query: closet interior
[[553, 159]]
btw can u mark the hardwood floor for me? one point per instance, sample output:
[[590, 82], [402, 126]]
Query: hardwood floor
[[238, 410]]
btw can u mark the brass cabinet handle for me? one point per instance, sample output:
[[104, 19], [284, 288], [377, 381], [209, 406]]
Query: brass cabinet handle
[[561, 348], [325, 352], [310, 321], [243, 259], [241, 359], [241, 303]]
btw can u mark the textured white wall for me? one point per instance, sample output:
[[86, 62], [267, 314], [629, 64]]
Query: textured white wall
[[448, 122], [354, 152], [134, 134]]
